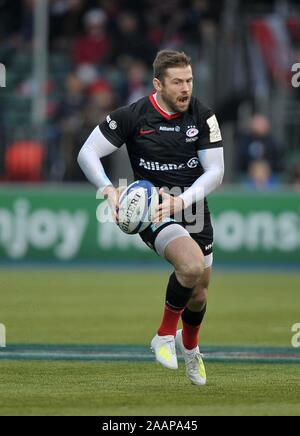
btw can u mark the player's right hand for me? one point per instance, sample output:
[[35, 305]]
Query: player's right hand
[[112, 195]]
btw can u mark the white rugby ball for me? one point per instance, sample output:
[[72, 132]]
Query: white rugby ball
[[137, 207]]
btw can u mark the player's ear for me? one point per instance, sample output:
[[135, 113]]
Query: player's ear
[[157, 84]]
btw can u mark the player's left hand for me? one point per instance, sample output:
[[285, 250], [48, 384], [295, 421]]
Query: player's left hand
[[170, 206]]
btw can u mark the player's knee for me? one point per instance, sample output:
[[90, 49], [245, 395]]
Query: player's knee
[[190, 273]]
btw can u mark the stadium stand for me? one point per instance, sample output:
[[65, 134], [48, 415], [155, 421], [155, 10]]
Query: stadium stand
[[100, 55]]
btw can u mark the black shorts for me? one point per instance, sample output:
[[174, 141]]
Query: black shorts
[[204, 239]]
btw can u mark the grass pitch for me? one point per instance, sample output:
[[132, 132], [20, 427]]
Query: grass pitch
[[73, 388], [117, 307]]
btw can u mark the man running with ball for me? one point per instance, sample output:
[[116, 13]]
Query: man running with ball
[[173, 141]]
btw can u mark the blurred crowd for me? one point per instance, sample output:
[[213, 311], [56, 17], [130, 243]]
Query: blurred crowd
[[100, 57]]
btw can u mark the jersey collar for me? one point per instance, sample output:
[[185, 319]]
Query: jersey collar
[[161, 111]]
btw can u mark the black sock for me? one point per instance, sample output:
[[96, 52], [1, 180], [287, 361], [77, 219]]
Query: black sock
[[193, 318], [177, 295]]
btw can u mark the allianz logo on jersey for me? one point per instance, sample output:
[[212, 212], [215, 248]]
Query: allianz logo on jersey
[[157, 166], [170, 129]]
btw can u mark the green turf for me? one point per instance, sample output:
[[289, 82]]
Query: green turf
[[146, 389], [96, 307], [115, 307]]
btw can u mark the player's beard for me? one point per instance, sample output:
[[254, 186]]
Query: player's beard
[[176, 104]]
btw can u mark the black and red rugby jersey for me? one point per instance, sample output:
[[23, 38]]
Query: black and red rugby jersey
[[163, 148]]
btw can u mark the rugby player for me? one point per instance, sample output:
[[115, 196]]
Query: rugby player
[[173, 140]]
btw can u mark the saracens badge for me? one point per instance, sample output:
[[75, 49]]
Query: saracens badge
[[191, 133]]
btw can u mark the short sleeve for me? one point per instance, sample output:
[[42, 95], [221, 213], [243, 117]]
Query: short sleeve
[[210, 134], [117, 127]]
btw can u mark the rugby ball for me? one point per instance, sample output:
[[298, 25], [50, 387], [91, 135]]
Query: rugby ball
[[137, 207]]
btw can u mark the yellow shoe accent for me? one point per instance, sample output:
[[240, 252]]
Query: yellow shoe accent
[[164, 349], [202, 371], [165, 354], [195, 369]]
